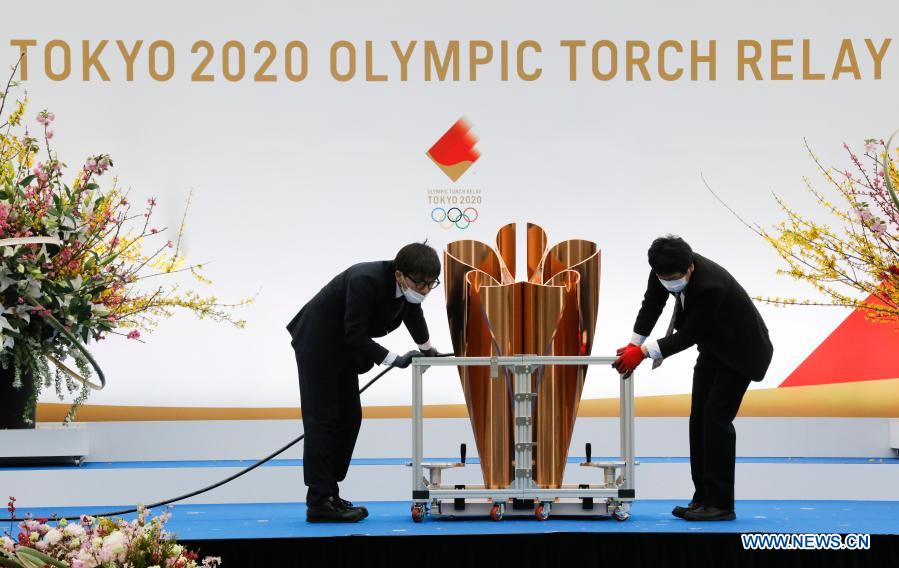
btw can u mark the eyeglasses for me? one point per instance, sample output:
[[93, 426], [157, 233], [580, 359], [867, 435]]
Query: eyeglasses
[[430, 284]]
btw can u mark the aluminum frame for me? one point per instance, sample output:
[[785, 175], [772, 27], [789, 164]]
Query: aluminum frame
[[523, 486]]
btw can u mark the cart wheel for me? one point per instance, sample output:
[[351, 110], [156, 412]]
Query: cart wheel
[[496, 512], [620, 515], [541, 512], [418, 513]]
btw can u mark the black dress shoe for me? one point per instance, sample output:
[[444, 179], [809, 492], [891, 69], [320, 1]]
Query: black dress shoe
[[710, 514], [679, 511], [347, 505], [331, 511]]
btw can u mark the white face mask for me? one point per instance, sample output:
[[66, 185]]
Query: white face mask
[[674, 286], [413, 296]]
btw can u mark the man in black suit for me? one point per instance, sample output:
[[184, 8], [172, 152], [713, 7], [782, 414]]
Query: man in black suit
[[713, 312], [332, 337]]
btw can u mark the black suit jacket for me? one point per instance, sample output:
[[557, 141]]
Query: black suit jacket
[[356, 305], [718, 317]]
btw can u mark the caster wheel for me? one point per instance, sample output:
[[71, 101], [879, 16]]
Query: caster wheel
[[496, 513], [541, 512], [620, 515], [418, 513]]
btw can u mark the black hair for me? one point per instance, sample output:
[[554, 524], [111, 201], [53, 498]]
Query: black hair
[[418, 260], [669, 255]]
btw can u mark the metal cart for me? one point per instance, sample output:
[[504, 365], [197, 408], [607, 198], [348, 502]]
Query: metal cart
[[609, 496]]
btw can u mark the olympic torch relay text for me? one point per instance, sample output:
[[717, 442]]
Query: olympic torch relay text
[[429, 60]]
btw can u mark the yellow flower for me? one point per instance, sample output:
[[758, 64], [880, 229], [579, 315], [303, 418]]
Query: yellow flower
[[15, 117], [834, 261]]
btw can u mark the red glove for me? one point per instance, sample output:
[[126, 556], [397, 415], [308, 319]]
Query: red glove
[[620, 350], [628, 359]]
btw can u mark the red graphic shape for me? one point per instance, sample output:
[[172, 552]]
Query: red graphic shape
[[857, 350], [456, 145]]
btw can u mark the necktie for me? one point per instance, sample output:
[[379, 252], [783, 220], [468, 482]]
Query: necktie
[[678, 308]]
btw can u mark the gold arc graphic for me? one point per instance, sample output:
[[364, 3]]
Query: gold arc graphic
[[869, 399]]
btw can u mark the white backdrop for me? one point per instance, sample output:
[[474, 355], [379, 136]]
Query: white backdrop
[[295, 181]]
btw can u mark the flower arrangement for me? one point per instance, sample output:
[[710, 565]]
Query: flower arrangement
[[73, 264], [860, 252], [98, 542]]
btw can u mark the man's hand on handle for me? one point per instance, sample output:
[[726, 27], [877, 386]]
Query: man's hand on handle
[[621, 350], [404, 361], [629, 358]]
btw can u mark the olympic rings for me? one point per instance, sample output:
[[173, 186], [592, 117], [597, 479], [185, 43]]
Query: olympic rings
[[454, 216]]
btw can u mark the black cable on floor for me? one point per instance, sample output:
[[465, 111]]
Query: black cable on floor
[[222, 482]]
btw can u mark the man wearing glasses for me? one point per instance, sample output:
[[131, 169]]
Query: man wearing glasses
[[332, 338]]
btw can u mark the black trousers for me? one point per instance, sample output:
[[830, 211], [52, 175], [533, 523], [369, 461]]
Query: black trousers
[[717, 394], [332, 415]]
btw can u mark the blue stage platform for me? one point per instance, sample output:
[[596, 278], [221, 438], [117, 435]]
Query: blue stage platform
[[268, 534], [287, 520]]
